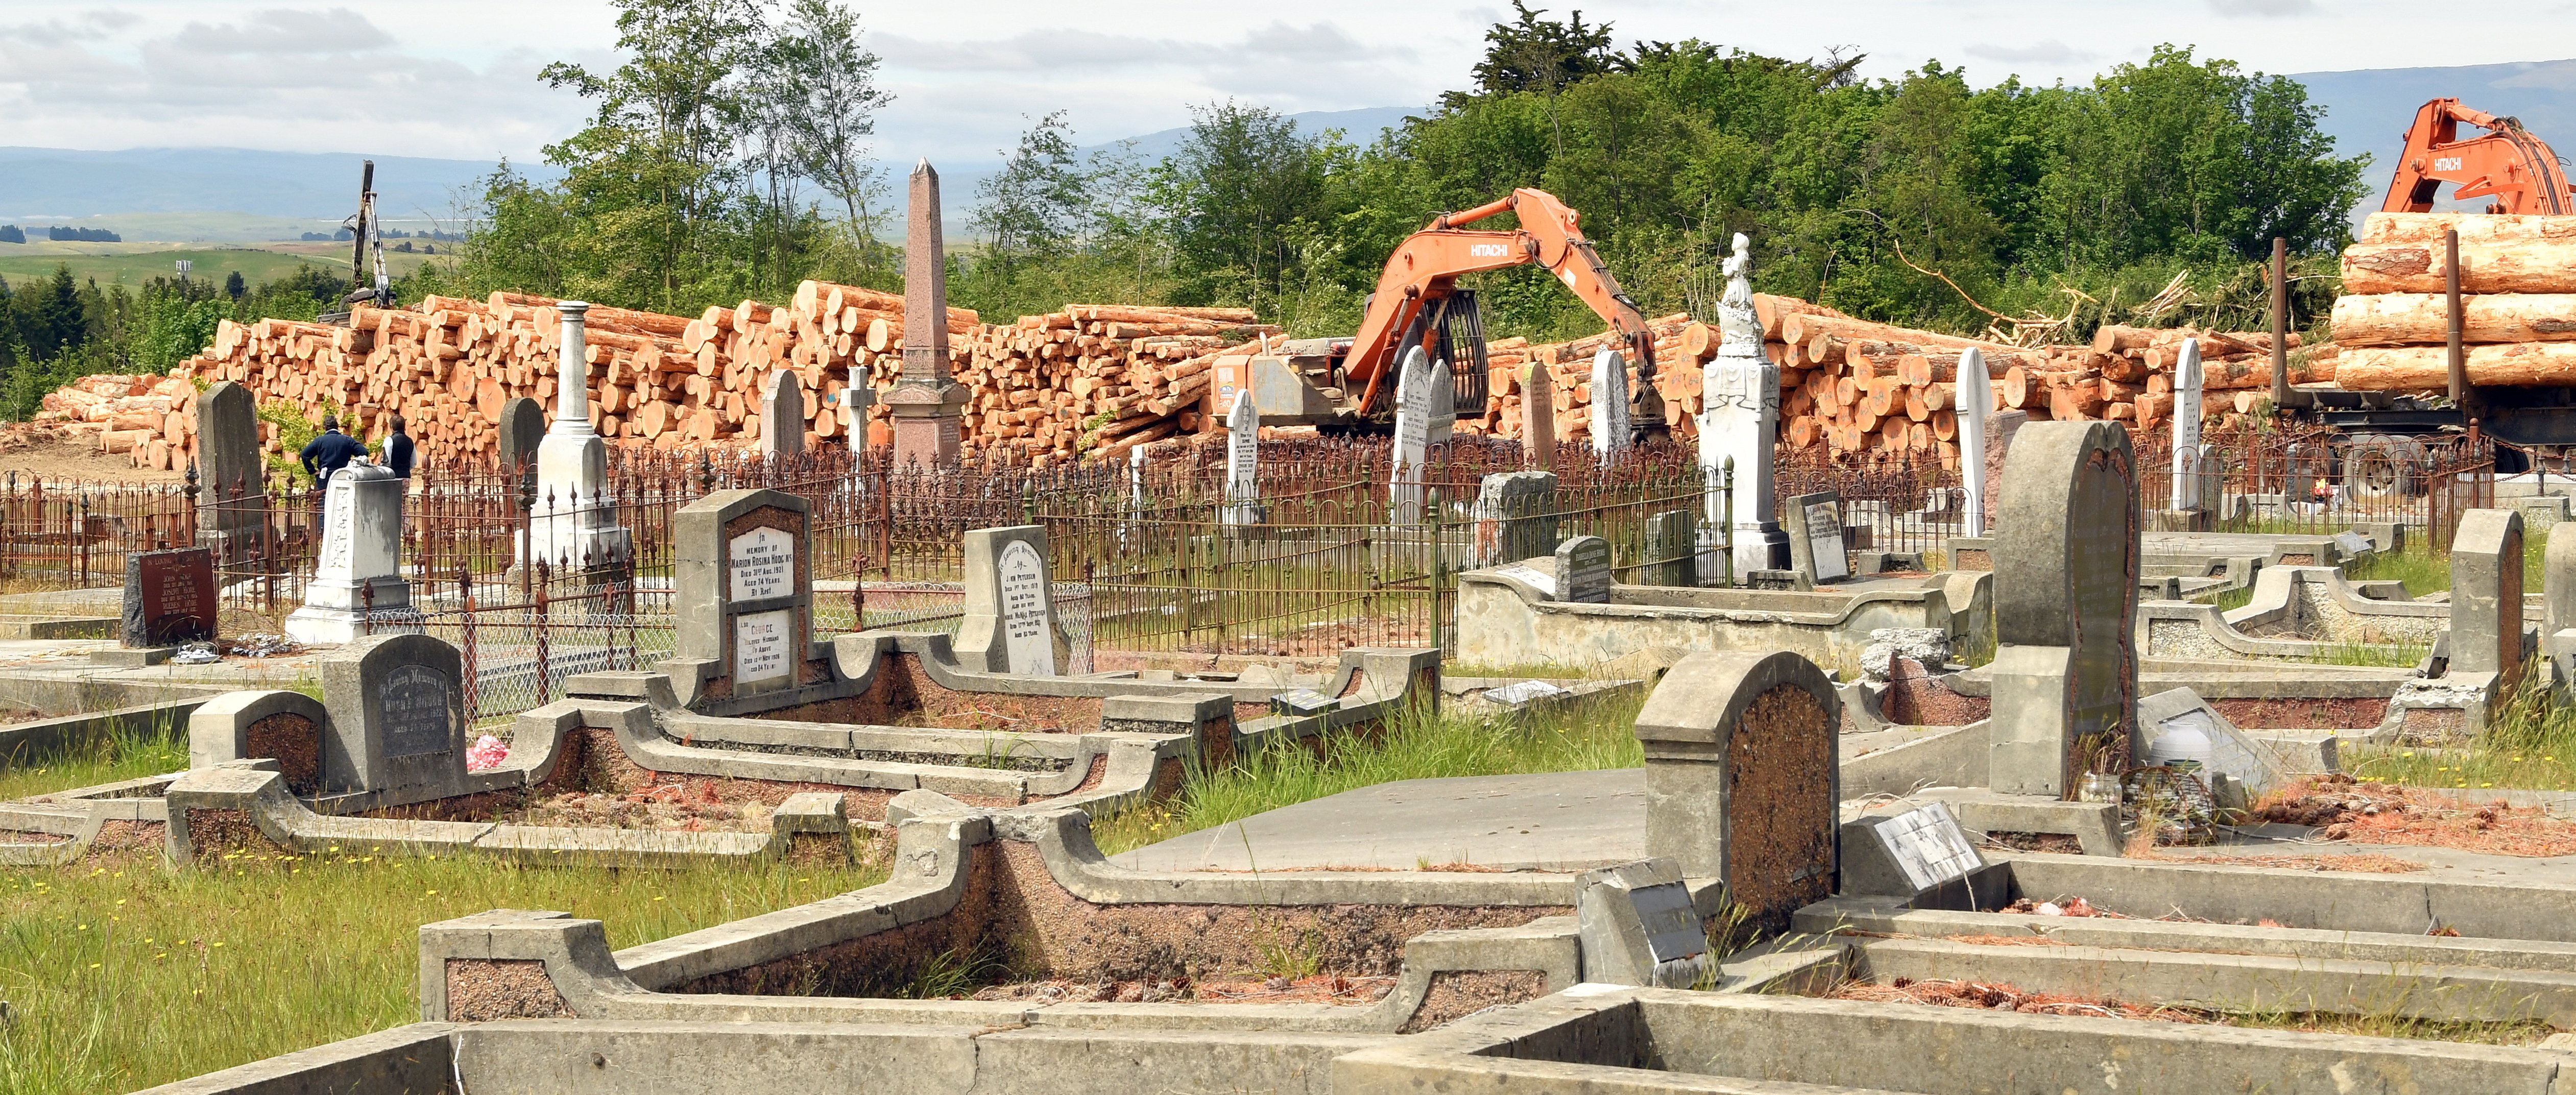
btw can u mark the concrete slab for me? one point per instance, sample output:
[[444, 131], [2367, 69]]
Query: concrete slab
[[1557, 821]]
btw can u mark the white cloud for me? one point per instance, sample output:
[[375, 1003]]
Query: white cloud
[[2263, 9], [2050, 51], [284, 30]]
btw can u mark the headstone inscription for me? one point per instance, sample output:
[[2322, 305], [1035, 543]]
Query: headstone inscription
[[1583, 570], [1243, 461], [1010, 624], [1742, 777], [397, 719], [743, 578], [2066, 668], [169, 597], [1814, 523], [1924, 856], [1638, 926], [359, 578], [1405, 489], [1610, 426], [2187, 381]]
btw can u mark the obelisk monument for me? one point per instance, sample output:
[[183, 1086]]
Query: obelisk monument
[[925, 405]]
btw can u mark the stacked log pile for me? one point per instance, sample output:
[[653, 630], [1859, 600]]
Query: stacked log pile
[[2517, 305]]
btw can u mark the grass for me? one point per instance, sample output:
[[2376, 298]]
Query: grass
[[2529, 743], [2370, 655], [1418, 745], [2527, 1032], [125, 751], [130, 976]]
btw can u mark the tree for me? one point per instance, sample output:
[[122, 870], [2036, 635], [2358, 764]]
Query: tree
[[1541, 55], [233, 286], [837, 99], [1037, 205], [1241, 194]]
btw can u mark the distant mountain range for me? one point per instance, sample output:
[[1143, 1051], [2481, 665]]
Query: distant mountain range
[[2368, 110]]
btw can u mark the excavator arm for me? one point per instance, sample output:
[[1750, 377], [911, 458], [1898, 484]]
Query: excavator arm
[[2508, 163], [1426, 268]]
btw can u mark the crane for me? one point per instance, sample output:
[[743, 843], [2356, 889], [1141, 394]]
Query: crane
[[1422, 276], [2508, 163]]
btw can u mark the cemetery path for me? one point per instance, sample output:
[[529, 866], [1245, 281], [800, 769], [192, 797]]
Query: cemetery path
[[1550, 821]]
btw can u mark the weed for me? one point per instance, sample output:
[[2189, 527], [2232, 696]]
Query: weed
[[2373, 655], [125, 749], [2529, 742]]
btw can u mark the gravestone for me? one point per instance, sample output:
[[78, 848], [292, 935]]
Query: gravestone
[[2486, 596], [522, 428], [1010, 624], [1740, 420], [1583, 570], [1924, 856], [1814, 523], [1412, 439], [232, 496], [856, 397], [2188, 381], [2065, 673], [359, 573], [574, 524], [170, 597], [1975, 402], [397, 719], [1442, 398], [1743, 784], [744, 582], [927, 407], [1538, 417], [782, 415], [1672, 550], [2001, 428], [1638, 926], [1242, 461], [2558, 601], [1515, 518], [1610, 425]]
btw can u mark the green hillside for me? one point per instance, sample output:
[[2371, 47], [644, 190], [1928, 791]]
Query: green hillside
[[19, 262]]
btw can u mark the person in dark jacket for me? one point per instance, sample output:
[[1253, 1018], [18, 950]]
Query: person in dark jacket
[[330, 452], [398, 449]]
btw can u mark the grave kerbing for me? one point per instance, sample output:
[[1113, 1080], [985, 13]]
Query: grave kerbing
[[1740, 419], [743, 578], [1010, 624], [2065, 671], [359, 573]]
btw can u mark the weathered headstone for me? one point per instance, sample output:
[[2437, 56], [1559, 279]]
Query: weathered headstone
[[1010, 624], [522, 429], [170, 597], [782, 415], [1405, 487], [360, 570], [574, 525], [397, 718], [1242, 461], [1442, 399], [2001, 428], [2066, 670], [1740, 420], [743, 575], [1538, 417], [926, 406], [2486, 596], [1515, 518], [1610, 426], [1922, 855], [1583, 570], [232, 496], [2188, 380], [1975, 401], [2176, 724], [1638, 926], [1672, 550], [1743, 784], [1814, 523], [2558, 600]]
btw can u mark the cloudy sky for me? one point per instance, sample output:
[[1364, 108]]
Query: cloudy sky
[[456, 78]]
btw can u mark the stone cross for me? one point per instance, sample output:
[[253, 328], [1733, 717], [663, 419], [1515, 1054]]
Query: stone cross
[[574, 525], [1742, 778], [232, 496], [1010, 624], [1975, 400], [1515, 518], [1242, 461], [926, 406], [2187, 465], [2066, 670], [1538, 417], [855, 401], [360, 570], [2486, 596], [1413, 412], [1609, 404], [1740, 418], [782, 415]]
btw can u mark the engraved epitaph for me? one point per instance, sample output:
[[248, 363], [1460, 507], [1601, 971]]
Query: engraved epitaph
[[169, 597], [1027, 609], [1583, 570], [1010, 624], [745, 591]]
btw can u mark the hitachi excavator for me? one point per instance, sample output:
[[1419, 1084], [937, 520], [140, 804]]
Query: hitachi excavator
[[2508, 164], [1419, 302]]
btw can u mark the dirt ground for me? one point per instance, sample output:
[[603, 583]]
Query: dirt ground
[[1315, 989], [2378, 813], [49, 456]]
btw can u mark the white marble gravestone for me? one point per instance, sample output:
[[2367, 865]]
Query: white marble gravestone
[[1412, 439], [1975, 400], [1740, 419], [1243, 461], [1010, 623], [360, 568], [2189, 381], [1609, 404], [574, 524]]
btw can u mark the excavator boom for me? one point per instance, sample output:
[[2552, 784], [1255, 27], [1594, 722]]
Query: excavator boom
[[1427, 266], [2508, 163]]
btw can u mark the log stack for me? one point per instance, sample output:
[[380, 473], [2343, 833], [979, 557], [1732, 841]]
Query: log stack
[[2517, 304]]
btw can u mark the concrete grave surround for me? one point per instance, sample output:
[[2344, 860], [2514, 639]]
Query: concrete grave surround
[[1010, 624], [744, 579], [170, 597], [574, 524], [1583, 570], [2065, 670], [397, 719], [1743, 776], [1515, 518], [2486, 595], [1412, 438], [2181, 711], [1814, 524], [782, 415], [232, 496], [360, 570], [927, 407], [1740, 421], [1610, 426]]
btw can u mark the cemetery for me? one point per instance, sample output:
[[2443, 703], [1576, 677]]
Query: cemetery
[[1295, 762]]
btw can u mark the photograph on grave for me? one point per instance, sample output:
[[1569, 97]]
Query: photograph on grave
[[745, 588], [170, 597], [1743, 779], [2065, 670]]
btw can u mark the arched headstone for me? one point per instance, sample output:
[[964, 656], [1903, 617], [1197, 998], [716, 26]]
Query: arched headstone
[[2066, 668], [1743, 782]]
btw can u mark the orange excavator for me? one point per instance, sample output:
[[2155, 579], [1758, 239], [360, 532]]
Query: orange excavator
[[2509, 164], [1418, 301]]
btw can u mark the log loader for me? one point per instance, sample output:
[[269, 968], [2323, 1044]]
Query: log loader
[[1418, 302]]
